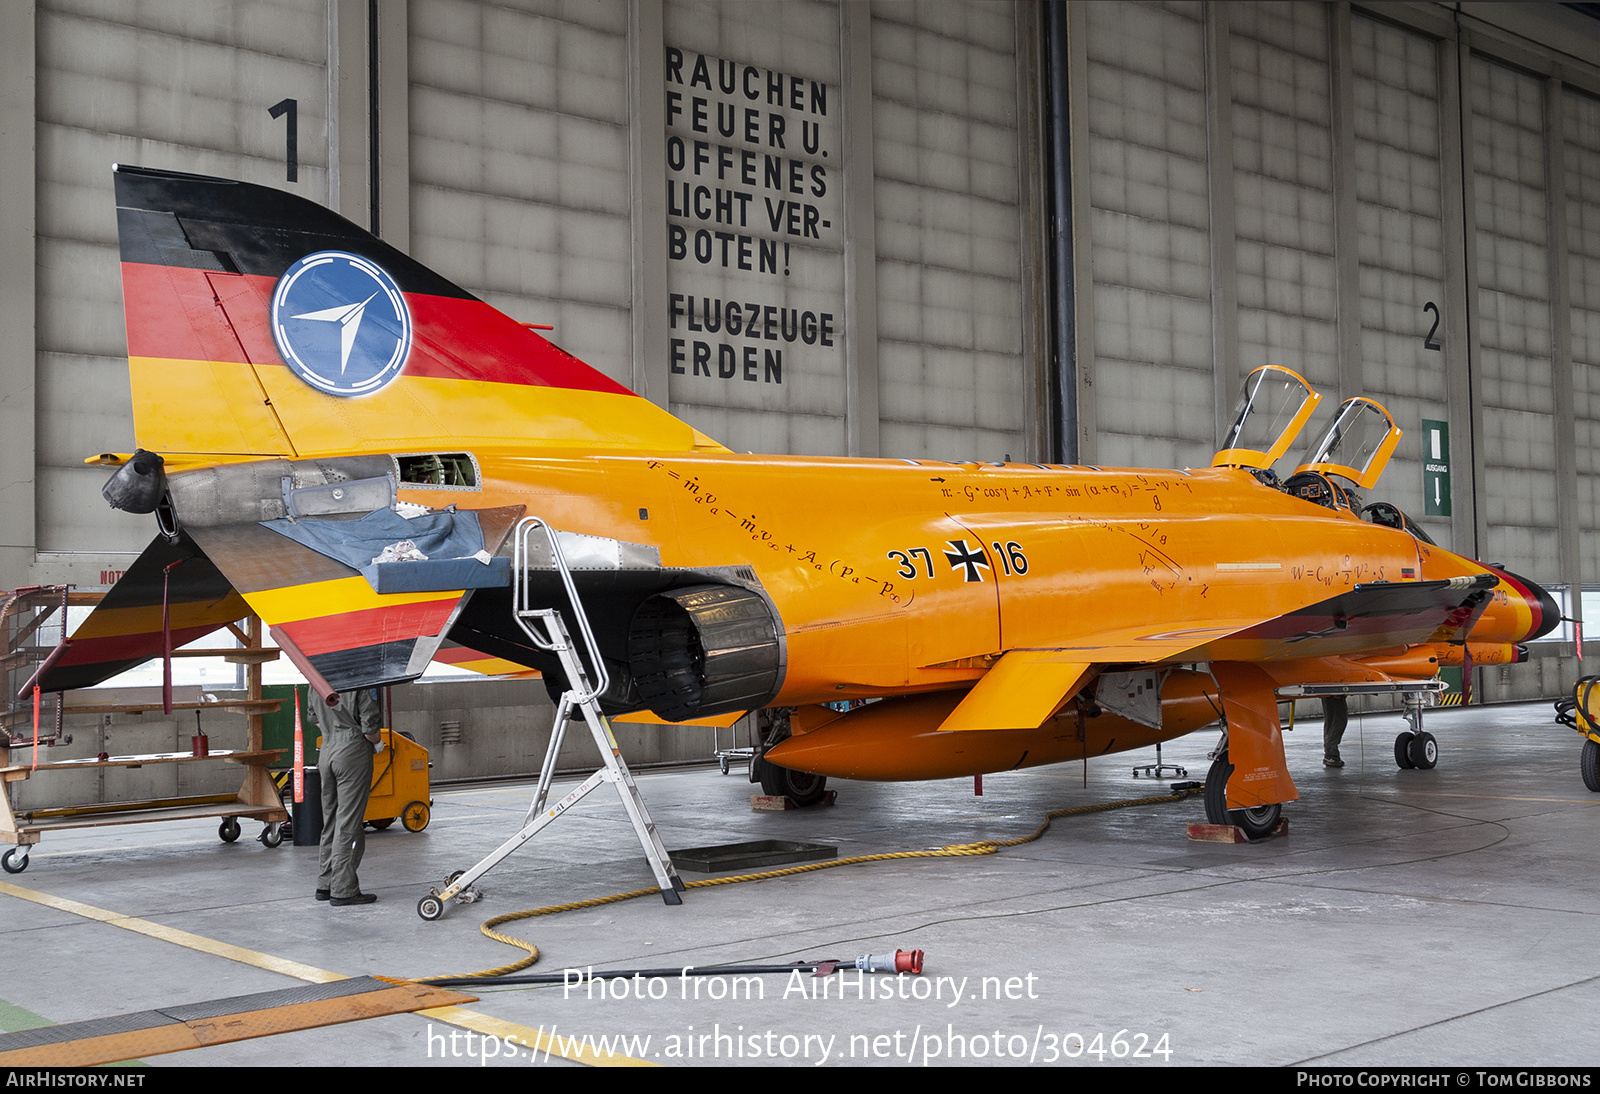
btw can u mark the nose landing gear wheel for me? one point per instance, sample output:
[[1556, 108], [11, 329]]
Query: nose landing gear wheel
[[1423, 751], [14, 863], [1402, 751], [1257, 823]]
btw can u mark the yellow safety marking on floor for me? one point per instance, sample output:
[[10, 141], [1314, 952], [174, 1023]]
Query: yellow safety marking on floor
[[177, 1035], [457, 1016], [209, 839], [176, 937], [1594, 800], [552, 1043]]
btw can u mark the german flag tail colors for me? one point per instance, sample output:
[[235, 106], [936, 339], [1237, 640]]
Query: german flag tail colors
[[262, 324], [171, 579]]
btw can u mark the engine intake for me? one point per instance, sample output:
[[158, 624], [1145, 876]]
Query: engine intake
[[704, 650]]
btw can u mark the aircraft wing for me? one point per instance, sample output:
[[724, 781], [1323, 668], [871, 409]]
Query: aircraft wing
[[345, 627], [469, 659], [330, 618], [125, 629], [1363, 619], [1025, 686]]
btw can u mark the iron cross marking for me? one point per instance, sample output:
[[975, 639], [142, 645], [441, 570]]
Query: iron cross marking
[[962, 556]]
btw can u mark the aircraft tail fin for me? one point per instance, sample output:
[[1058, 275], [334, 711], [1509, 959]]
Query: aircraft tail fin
[[262, 324]]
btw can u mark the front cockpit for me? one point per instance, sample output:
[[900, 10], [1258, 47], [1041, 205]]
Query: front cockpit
[[1275, 406]]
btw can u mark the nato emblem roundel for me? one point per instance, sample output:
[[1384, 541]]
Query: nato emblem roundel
[[341, 323]]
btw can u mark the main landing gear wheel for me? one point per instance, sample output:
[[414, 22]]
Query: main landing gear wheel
[[1402, 751], [228, 830], [13, 862], [802, 787], [1589, 765], [415, 817], [430, 908], [1257, 823]]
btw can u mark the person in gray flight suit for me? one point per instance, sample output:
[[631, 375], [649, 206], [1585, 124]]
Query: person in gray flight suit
[[350, 730], [1335, 716]]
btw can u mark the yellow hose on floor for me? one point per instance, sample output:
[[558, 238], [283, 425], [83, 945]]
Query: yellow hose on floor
[[954, 850]]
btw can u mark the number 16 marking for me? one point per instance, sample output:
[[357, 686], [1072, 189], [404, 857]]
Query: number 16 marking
[[1011, 557]]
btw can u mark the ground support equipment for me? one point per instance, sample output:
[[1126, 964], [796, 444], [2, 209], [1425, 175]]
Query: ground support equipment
[[34, 632], [1579, 713], [546, 628]]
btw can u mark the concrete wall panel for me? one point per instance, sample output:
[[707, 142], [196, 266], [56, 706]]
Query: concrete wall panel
[[1513, 238], [949, 274]]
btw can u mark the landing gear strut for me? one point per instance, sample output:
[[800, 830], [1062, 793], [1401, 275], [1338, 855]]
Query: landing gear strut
[[801, 787], [1415, 748]]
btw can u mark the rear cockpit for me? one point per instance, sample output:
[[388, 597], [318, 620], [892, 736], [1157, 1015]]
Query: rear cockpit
[[1352, 453]]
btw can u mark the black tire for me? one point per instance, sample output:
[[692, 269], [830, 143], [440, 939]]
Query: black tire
[[801, 787], [430, 908], [1402, 751], [12, 862], [1423, 751], [271, 835], [228, 830], [380, 824], [1589, 764], [1216, 795], [1256, 823]]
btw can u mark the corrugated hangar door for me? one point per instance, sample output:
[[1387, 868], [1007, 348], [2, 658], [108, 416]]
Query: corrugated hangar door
[[755, 271], [1400, 227], [1394, 202], [1284, 190], [952, 378], [1514, 318], [1151, 231], [1582, 185], [179, 86], [519, 164]]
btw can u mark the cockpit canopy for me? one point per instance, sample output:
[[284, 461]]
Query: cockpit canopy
[[1358, 444], [1273, 409]]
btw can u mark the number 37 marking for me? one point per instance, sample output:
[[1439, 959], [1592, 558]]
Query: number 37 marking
[[907, 569], [1011, 557]]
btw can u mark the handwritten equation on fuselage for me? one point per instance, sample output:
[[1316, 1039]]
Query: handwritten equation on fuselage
[[752, 525], [1155, 541], [1154, 488]]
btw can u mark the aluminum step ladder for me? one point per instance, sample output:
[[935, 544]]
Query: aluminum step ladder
[[547, 629]]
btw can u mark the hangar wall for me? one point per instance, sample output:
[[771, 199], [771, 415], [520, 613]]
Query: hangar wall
[[1340, 188], [1392, 199]]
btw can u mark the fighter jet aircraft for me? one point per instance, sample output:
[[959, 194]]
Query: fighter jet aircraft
[[305, 395]]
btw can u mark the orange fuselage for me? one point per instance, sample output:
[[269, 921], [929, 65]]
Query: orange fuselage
[[899, 576]]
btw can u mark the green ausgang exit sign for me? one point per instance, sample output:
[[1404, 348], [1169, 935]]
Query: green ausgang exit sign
[[1435, 468]]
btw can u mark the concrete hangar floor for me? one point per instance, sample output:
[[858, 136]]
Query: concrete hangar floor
[[1436, 917]]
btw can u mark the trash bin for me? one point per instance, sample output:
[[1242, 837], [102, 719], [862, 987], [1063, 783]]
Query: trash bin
[[307, 815]]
